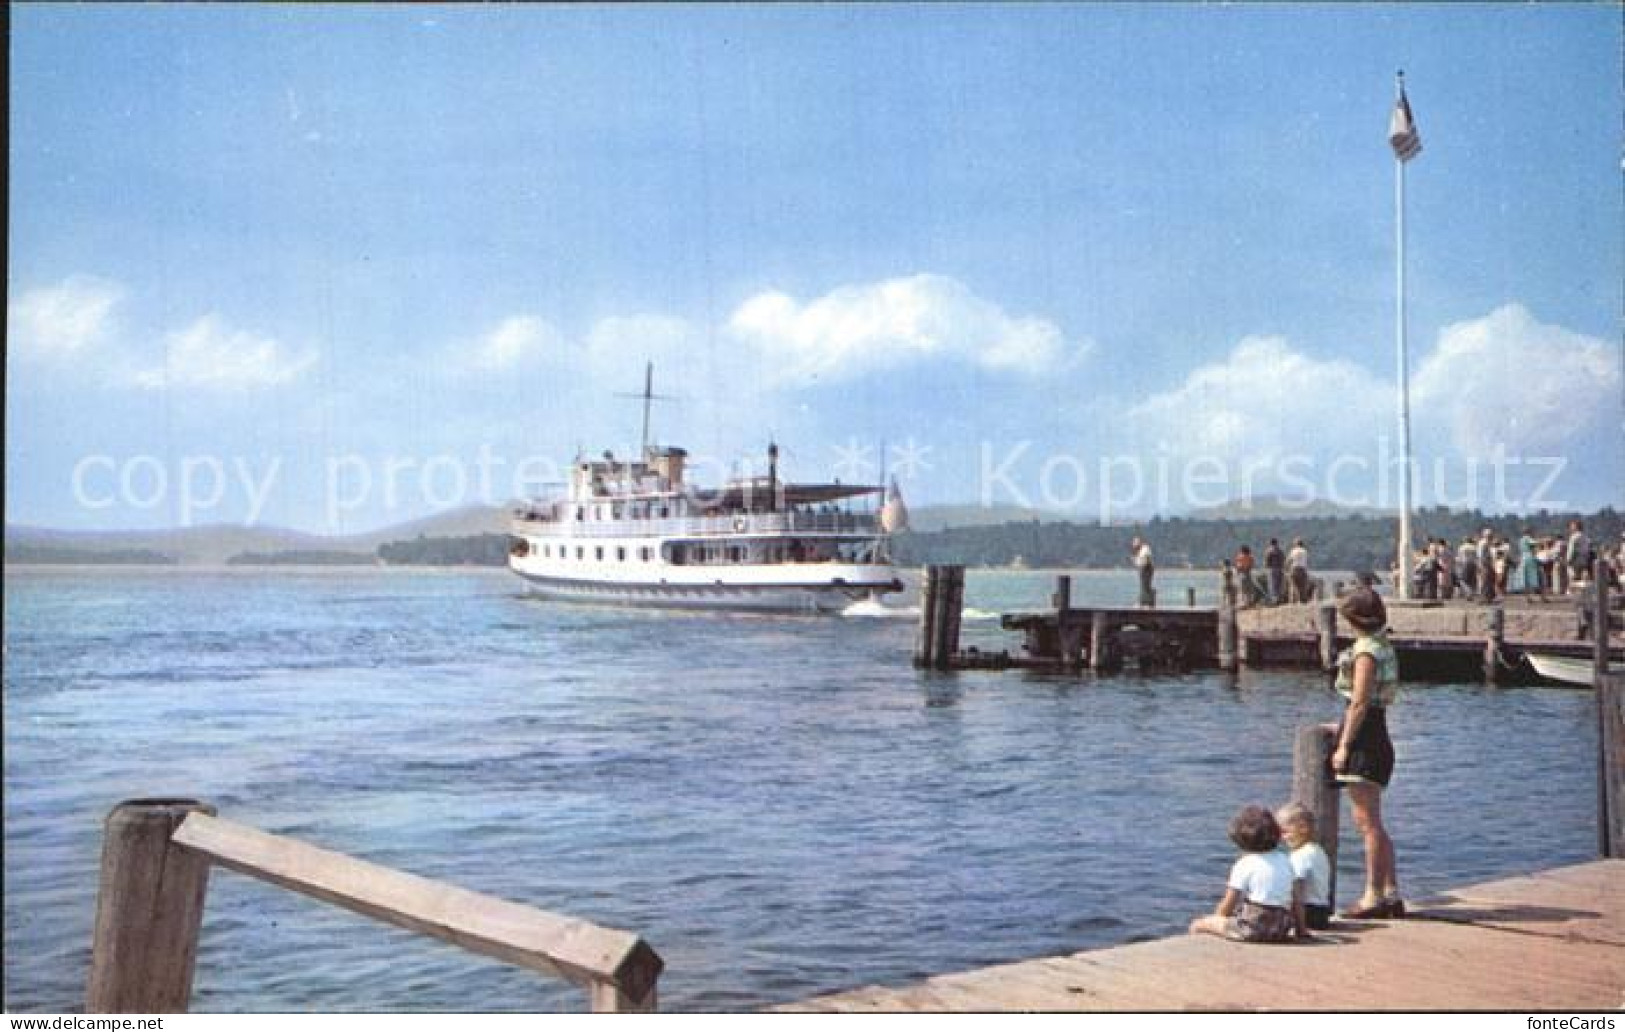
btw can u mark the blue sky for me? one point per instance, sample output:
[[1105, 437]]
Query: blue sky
[[260, 254]]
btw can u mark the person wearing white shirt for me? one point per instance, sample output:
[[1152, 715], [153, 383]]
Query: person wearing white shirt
[[1263, 899], [1310, 864], [1141, 552]]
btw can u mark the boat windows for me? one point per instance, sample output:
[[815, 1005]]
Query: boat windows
[[646, 553], [620, 555], [581, 553], [598, 553], [581, 512]]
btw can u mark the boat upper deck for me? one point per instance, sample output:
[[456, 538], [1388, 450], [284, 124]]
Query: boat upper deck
[[745, 524]]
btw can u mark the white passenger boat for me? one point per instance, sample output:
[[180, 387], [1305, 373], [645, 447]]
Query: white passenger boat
[[635, 532]]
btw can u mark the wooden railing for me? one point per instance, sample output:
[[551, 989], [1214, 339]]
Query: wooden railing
[[155, 867]]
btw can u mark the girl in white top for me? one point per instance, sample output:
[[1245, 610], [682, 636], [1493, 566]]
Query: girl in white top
[[1263, 899]]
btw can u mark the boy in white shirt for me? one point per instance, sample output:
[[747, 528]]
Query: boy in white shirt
[[1262, 900], [1310, 864]]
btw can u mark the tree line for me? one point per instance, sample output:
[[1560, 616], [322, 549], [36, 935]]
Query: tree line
[[1353, 542]]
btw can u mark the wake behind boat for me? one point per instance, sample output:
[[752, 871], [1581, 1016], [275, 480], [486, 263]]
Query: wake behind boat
[[637, 533]]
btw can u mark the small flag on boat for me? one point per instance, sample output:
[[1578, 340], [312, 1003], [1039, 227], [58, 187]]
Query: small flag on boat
[[893, 514], [1402, 133]]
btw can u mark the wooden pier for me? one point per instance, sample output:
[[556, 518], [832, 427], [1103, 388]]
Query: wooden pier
[[1554, 940], [1458, 640]]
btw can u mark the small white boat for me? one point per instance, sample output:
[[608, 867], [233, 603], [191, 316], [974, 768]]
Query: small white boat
[[1565, 670]]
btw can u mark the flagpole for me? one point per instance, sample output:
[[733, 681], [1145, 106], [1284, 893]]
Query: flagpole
[[1404, 544]]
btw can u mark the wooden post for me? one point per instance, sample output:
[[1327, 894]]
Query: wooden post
[[929, 591], [1326, 631], [606, 998], [1611, 765], [1312, 785], [1068, 632], [149, 907], [1062, 599], [949, 606], [1227, 635], [1101, 654], [1599, 618], [1494, 637]]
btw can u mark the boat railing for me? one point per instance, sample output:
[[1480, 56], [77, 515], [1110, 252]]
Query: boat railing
[[710, 526]]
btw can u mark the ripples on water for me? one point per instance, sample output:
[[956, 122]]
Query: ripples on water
[[781, 806]]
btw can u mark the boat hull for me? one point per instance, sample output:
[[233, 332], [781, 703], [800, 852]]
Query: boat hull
[[1564, 670], [819, 597]]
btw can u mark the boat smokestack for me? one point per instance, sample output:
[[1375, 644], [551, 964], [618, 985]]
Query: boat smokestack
[[773, 476]]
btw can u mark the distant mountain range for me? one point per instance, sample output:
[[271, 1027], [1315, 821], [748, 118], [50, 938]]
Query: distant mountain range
[[218, 544], [1271, 507]]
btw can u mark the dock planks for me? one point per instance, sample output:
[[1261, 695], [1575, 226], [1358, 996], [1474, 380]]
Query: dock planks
[[1554, 940]]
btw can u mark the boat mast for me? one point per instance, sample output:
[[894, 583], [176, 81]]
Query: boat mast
[[647, 396]]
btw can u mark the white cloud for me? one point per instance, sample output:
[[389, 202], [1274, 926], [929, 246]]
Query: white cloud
[[516, 340], [62, 320], [1265, 401], [859, 328], [211, 354], [1506, 379], [617, 346]]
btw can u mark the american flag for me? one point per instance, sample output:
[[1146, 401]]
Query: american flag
[[1402, 132]]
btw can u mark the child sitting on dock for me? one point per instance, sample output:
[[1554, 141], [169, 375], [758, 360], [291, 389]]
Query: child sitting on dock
[[1262, 901], [1310, 864]]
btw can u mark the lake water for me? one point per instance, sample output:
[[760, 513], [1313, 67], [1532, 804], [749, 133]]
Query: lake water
[[782, 806]]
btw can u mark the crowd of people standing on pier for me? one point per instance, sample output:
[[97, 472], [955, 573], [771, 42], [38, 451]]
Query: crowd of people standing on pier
[[1483, 567], [1285, 577], [1488, 566]]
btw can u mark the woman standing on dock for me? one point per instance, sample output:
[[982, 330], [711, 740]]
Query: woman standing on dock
[[1363, 761], [1529, 581]]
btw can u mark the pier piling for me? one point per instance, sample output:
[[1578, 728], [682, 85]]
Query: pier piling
[[1599, 617], [929, 596], [1068, 625], [942, 597], [1611, 765], [1227, 635], [1312, 785], [1102, 657], [949, 614], [1494, 639], [1326, 634], [149, 907]]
